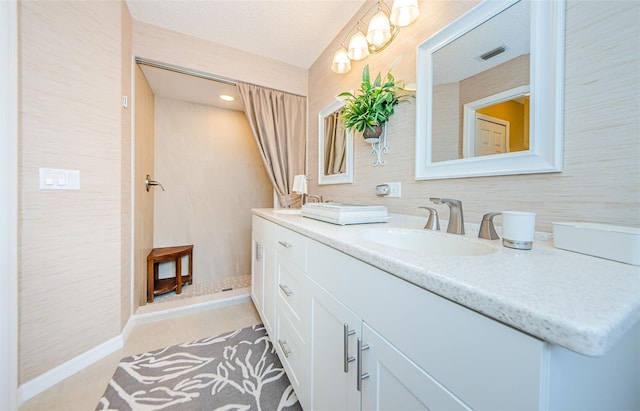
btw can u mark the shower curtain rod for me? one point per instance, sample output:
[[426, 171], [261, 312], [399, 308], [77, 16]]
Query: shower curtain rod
[[181, 70], [199, 74]]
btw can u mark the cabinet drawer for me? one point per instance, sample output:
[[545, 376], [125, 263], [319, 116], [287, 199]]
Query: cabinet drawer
[[263, 229], [291, 351], [291, 291], [292, 246]]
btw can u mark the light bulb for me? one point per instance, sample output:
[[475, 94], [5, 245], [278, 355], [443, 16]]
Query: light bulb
[[341, 63], [379, 31], [404, 12], [358, 46]]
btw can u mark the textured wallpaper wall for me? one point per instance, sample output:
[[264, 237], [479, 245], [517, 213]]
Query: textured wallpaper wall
[[601, 178], [69, 241]]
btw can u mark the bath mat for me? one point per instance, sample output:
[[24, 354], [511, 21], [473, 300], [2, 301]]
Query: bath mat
[[236, 371]]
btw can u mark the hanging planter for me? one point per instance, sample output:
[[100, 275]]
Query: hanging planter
[[368, 111], [372, 134]]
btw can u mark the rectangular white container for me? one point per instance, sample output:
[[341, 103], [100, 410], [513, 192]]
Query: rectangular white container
[[600, 240], [343, 214]]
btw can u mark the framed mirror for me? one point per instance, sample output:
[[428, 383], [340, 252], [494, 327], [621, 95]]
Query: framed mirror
[[335, 147], [490, 92]]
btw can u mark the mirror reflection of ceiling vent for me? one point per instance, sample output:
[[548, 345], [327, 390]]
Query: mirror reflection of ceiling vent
[[493, 53]]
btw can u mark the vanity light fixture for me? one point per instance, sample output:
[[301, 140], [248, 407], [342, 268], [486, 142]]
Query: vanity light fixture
[[226, 97], [383, 27], [341, 63], [404, 12], [358, 46]]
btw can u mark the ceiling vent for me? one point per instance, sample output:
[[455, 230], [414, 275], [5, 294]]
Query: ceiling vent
[[493, 53]]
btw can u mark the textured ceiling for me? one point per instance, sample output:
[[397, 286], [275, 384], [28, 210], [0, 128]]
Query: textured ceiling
[[291, 31], [460, 59]]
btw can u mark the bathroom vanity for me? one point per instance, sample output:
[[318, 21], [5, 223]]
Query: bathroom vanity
[[363, 324]]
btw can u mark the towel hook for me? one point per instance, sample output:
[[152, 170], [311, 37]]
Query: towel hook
[[148, 182]]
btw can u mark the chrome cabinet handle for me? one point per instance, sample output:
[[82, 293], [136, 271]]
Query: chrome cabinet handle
[[360, 376], [285, 348], [285, 289], [259, 250], [285, 244], [346, 356]]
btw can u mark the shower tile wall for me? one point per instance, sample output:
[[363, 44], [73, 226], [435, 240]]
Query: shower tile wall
[[208, 162]]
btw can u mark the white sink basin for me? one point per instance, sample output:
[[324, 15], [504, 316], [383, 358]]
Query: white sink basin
[[427, 242], [291, 211]]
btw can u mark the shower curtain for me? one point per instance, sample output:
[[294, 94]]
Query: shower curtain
[[335, 137], [278, 122]]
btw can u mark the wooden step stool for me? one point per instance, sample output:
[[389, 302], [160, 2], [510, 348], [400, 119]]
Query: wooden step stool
[[156, 285]]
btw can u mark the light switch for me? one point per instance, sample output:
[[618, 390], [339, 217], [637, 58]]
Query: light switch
[[59, 179]]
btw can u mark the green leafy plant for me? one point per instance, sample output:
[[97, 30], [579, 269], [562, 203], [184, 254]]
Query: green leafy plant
[[374, 103]]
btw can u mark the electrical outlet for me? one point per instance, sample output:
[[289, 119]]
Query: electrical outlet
[[395, 190]]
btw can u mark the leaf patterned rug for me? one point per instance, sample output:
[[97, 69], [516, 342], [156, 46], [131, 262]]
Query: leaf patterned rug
[[236, 371]]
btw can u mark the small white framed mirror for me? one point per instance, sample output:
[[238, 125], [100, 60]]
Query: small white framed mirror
[[335, 147], [490, 92]]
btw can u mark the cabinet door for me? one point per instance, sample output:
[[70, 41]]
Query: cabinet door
[[394, 382], [268, 312], [257, 272], [334, 331]]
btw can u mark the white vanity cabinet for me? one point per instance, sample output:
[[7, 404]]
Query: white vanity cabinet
[[423, 351], [292, 311], [263, 269], [353, 367], [354, 337], [279, 291]]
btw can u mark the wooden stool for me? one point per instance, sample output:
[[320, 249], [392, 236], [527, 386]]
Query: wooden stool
[[157, 286]]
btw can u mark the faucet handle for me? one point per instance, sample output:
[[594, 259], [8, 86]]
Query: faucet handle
[[487, 229], [437, 200], [433, 223]]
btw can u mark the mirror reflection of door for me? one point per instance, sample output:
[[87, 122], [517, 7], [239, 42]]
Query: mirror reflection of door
[[492, 135], [335, 158], [481, 119]]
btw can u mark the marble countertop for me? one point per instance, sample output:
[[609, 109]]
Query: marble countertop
[[583, 303]]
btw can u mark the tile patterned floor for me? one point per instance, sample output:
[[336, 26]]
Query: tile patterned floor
[[198, 289]]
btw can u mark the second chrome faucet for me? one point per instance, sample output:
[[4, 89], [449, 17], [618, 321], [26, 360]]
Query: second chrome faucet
[[456, 219]]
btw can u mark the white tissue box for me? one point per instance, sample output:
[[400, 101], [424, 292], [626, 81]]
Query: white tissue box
[[600, 240], [344, 214]]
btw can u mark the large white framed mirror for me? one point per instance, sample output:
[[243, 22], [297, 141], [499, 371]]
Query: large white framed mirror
[[490, 92], [335, 147]]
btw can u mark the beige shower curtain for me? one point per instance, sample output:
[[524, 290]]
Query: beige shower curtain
[[278, 122], [335, 137]]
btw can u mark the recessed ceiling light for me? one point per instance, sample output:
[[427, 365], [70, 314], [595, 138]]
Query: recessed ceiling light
[[226, 97]]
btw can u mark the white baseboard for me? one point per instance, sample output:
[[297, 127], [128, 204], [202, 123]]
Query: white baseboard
[[52, 377], [149, 317]]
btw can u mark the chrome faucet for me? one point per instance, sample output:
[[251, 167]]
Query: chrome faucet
[[432, 222], [456, 219], [487, 229], [317, 198]]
